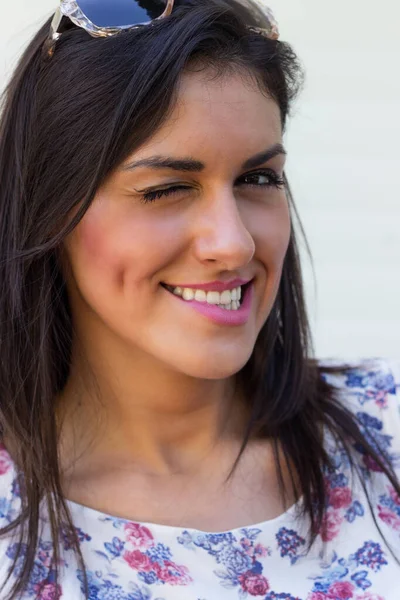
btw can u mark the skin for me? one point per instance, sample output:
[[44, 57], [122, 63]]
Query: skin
[[169, 418]]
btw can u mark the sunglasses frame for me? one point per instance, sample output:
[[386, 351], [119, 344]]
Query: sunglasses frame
[[70, 9]]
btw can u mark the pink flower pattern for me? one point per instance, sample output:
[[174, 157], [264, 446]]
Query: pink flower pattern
[[138, 535], [255, 585], [389, 509], [340, 497], [341, 590], [49, 591], [5, 460], [331, 524]]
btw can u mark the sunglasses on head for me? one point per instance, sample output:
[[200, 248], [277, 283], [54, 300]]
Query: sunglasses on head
[[104, 18]]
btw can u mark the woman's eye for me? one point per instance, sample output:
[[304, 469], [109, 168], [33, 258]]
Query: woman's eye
[[263, 178], [152, 195]]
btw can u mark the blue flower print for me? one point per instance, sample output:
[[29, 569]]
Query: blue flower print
[[371, 556], [389, 509], [355, 510], [234, 558], [148, 577], [372, 385], [67, 539], [289, 543], [103, 589], [240, 559], [41, 582], [12, 553], [371, 428], [357, 379], [360, 579], [337, 480], [159, 553], [115, 548], [345, 574]]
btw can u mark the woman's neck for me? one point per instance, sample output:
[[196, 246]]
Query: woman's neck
[[159, 424]]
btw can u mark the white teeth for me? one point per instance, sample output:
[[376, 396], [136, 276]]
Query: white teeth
[[213, 298], [234, 305], [200, 296], [228, 299], [188, 294]]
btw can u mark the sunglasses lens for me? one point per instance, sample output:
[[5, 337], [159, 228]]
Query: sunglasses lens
[[121, 13]]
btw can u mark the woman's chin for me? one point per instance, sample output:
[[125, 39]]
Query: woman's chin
[[215, 367]]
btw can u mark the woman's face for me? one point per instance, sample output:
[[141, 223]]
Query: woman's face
[[200, 207]]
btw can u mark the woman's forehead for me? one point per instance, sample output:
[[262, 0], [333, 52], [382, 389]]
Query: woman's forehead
[[212, 116]]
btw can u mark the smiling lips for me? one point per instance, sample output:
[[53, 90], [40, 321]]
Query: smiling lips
[[226, 295], [228, 305], [228, 299]]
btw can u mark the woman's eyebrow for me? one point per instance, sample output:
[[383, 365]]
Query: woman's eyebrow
[[191, 165], [167, 162], [263, 157]]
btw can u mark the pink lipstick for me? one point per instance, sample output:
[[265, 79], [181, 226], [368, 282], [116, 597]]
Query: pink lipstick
[[219, 315]]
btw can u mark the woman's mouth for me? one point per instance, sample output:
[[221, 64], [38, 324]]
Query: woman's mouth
[[227, 300], [228, 307]]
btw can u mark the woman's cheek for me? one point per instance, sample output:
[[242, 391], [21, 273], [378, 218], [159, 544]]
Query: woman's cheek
[[96, 253], [272, 232], [125, 250]]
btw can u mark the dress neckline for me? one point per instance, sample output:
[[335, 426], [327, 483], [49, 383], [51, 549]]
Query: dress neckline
[[82, 510]]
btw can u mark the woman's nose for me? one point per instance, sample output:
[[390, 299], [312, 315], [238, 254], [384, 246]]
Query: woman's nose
[[221, 235]]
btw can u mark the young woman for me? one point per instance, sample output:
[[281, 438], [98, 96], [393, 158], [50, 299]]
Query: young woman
[[166, 433]]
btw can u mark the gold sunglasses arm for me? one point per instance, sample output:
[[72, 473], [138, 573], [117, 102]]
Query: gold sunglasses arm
[[54, 35]]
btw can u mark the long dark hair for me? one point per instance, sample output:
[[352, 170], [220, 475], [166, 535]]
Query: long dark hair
[[66, 124]]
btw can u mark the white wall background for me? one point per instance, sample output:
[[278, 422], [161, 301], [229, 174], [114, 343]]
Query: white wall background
[[344, 160]]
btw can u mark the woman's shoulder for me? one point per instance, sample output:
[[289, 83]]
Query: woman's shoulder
[[368, 376], [370, 388]]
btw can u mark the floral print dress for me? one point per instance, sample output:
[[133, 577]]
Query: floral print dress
[[143, 561]]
